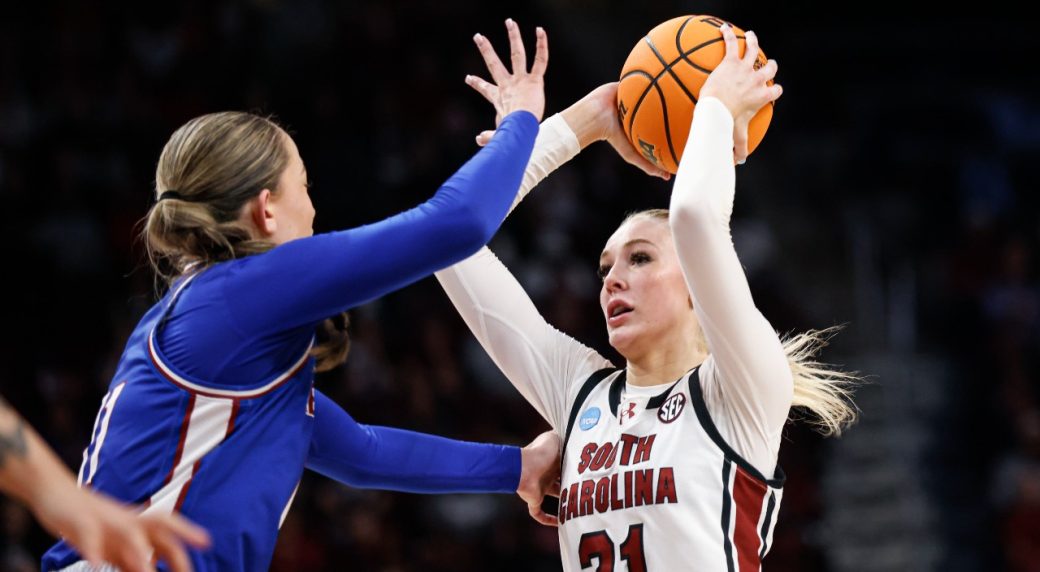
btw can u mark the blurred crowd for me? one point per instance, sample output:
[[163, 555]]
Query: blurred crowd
[[891, 194]]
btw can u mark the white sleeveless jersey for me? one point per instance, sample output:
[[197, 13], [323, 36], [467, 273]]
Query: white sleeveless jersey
[[650, 485]]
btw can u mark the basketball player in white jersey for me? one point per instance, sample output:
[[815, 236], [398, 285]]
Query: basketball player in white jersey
[[669, 463]]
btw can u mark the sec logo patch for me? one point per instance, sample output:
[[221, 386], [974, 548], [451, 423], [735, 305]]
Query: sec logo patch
[[589, 419], [671, 408]]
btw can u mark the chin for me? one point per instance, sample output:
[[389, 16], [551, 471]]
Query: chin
[[621, 341]]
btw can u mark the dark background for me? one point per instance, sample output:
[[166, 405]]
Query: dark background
[[893, 193]]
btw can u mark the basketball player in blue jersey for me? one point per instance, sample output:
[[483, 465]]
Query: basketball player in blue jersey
[[212, 411], [669, 463]]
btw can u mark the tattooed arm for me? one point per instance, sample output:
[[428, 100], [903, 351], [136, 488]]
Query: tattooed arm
[[99, 528]]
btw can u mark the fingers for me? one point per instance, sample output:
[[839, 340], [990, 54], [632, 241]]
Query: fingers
[[483, 87], [187, 531], [494, 65], [516, 47], [768, 71], [134, 553], [751, 47], [170, 549], [168, 534], [485, 137], [730, 38], [554, 489], [89, 546], [541, 516], [775, 91], [632, 157], [740, 141], [541, 52]]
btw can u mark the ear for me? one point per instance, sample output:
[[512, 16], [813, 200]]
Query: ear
[[262, 213]]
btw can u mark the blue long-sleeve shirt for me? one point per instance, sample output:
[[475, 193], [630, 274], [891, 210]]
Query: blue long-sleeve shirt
[[212, 410], [374, 457]]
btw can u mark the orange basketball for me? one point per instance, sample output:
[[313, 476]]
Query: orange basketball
[[661, 80]]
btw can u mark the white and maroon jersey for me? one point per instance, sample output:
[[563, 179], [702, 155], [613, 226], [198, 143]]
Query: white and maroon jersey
[[666, 478], [649, 484]]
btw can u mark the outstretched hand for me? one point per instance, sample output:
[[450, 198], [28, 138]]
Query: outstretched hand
[[519, 89], [540, 475], [741, 86]]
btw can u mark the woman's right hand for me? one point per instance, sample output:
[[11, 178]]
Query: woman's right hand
[[742, 86], [521, 89]]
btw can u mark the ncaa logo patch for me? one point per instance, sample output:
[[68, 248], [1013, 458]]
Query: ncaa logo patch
[[589, 419], [671, 408]]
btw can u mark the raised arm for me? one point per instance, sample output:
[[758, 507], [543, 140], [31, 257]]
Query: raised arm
[[307, 280], [539, 360], [752, 383], [312, 278]]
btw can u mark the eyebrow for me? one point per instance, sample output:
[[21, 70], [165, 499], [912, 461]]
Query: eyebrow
[[629, 243]]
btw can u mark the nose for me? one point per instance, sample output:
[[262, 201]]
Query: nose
[[614, 281]]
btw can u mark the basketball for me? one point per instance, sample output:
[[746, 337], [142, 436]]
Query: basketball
[[661, 80]]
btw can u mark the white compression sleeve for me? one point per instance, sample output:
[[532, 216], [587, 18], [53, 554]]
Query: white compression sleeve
[[545, 365], [556, 144], [748, 385]]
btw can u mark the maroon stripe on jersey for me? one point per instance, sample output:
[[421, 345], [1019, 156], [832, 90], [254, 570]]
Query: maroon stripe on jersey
[[748, 496], [195, 468], [231, 420], [184, 489], [180, 442]]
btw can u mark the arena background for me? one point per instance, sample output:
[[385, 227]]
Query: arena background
[[893, 193]]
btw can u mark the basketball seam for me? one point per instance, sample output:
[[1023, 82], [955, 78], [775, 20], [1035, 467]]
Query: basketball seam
[[678, 48], [667, 128], [664, 104], [642, 96]]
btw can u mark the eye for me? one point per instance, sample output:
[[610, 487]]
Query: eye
[[639, 257], [602, 271]]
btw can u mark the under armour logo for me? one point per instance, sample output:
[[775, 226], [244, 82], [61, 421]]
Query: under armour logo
[[627, 413]]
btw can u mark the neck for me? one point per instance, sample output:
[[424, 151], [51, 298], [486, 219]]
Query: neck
[[664, 364]]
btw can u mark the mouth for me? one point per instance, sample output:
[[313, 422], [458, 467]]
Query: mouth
[[617, 310]]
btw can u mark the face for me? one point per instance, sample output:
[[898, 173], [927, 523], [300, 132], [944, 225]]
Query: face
[[644, 298], [291, 204]]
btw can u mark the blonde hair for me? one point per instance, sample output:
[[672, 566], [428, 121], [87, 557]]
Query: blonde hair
[[212, 166], [215, 164], [819, 388]]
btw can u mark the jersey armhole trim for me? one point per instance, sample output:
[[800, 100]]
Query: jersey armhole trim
[[583, 394], [180, 381], [701, 408]]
